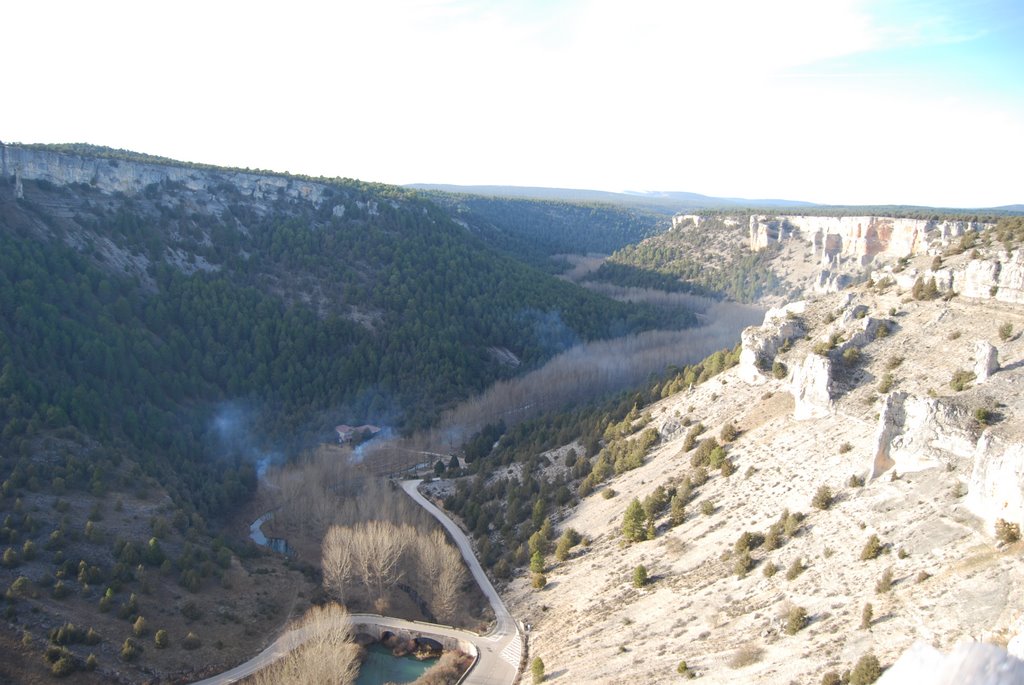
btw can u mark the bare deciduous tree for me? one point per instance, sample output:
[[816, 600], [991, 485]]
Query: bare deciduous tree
[[327, 655]]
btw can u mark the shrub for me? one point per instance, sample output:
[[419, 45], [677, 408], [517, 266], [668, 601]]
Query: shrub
[[698, 476], [139, 627], [742, 564], [640, 576], [191, 641], [608, 493], [867, 670], [728, 432], [684, 670], [131, 649], [707, 507], [856, 481], [796, 619], [795, 569], [90, 662], [745, 656], [866, 615], [63, 666], [1005, 331], [770, 569], [983, 416], [872, 548], [727, 468], [831, 678], [961, 379], [882, 331], [691, 436], [792, 523], [1007, 532], [885, 385], [161, 639], [851, 355], [539, 581], [884, 583], [845, 447], [537, 670], [922, 576], [823, 498], [779, 370], [893, 362]]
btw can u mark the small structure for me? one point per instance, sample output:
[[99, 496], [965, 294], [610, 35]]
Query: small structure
[[348, 434]]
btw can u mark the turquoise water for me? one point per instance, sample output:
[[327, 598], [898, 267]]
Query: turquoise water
[[380, 667]]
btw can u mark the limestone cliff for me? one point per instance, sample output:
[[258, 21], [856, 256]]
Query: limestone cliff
[[861, 238], [760, 344], [996, 486], [130, 177], [916, 433], [812, 388]]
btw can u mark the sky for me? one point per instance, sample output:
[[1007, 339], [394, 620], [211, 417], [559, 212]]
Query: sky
[[831, 101]]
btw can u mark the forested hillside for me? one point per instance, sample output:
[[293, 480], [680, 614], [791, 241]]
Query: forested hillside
[[536, 230], [709, 260], [130, 318]]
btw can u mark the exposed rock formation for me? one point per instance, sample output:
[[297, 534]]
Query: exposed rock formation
[[996, 487], [986, 360], [971, 663], [1001, 279], [761, 343], [812, 388], [115, 175], [858, 237], [915, 432]]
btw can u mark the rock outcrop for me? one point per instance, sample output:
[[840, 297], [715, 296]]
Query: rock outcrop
[[860, 238], [986, 360], [996, 486], [1001, 279], [970, 663], [130, 177], [812, 388], [761, 343], [914, 433]]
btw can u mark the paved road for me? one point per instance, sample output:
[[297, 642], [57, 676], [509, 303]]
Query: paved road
[[499, 650]]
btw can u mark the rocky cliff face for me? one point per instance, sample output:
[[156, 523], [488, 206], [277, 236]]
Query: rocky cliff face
[[916, 433], [130, 177], [812, 388], [860, 238], [996, 486], [760, 344]]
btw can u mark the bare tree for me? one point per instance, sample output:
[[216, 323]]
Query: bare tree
[[337, 562], [327, 655]]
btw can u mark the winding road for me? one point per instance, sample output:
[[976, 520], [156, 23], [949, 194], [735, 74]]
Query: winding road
[[499, 651]]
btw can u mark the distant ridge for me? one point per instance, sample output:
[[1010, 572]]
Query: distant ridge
[[673, 200]]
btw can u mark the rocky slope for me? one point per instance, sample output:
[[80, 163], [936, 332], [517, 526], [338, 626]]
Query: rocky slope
[[866, 385]]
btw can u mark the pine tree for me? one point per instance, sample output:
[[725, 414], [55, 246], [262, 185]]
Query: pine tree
[[633, 528]]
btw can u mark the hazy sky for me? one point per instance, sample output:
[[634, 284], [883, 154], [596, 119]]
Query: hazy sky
[[838, 101]]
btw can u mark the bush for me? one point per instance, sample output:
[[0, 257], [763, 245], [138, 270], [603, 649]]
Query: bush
[[161, 639], [684, 670], [796, 619], [872, 548], [91, 663], [1007, 532], [728, 432], [742, 564], [885, 385], [191, 641], [831, 678], [727, 468], [866, 615], [779, 370], [640, 576], [770, 569], [139, 627], [608, 493], [1006, 331], [745, 656], [922, 576], [845, 447], [884, 583], [63, 666], [539, 581], [856, 481], [795, 569], [131, 649], [851, 355], [792, 523], [961, 379], [707, 507], [823, 498], [867, 670], [537, 670]]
